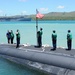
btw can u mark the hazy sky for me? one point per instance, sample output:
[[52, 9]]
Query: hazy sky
[[17, 7]]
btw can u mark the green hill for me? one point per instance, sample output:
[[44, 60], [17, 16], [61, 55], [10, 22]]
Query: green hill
[[57, 16], [47, 16]]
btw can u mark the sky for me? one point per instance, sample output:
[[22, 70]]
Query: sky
[[28, 7]]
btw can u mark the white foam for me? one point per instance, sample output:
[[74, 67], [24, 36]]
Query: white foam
[[46, 45], [27, 44], [2, 43]]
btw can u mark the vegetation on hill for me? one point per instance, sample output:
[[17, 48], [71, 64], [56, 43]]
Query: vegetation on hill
[[48, 16], [57, 16]]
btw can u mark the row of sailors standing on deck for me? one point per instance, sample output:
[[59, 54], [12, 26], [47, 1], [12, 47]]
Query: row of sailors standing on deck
[[69, 40], [54, 39], [10, 37]]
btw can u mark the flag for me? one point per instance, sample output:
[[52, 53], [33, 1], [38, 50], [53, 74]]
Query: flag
[[39, 15]]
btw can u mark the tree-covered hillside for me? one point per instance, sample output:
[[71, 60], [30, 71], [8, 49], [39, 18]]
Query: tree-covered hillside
[[57, 16]]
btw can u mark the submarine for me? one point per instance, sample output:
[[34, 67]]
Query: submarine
[[46, 59]]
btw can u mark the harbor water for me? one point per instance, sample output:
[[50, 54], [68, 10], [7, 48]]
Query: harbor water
[[28, 35], [28, 31]]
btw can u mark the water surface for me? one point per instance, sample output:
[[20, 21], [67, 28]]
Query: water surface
[[28, 31]]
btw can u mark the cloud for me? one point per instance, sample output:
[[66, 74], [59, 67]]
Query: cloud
[[43, 9], [22, 0], [23, 12], [60, 7], [1, 11]]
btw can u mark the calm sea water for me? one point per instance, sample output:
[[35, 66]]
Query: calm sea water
[[28, 31], [28, 35]]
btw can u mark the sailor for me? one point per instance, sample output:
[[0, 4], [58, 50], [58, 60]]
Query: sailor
[[17, 38], [69, 40], [39, 39], [12, 37], [41, 32], [8, 35], [54, 40]]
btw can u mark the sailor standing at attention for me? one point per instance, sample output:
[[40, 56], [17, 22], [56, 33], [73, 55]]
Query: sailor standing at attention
[[54, 40], [8, 35], [12, 37], [17, 38], [69, 40], [41, 32]]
